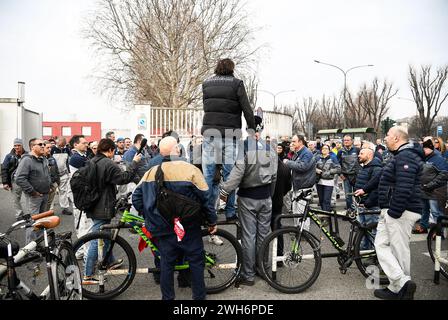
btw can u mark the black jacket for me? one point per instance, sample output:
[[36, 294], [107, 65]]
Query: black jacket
[[225, 98], [10, 165], [282, 186], [109, 175], [367, 180], [400, 183], [349, 161]]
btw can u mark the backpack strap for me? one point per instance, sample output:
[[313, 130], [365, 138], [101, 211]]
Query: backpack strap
[[160, 178]]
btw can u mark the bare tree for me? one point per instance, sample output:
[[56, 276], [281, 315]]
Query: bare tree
[[251, 84], [331, 112], [374, 101], [356, 116], [429, 94], [305, 115], [160, 51]]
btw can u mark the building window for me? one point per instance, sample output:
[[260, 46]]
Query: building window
[[66, 131], [47, 131], [87, 131]]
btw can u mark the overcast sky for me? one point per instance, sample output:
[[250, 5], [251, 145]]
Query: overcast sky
[[40, 44]]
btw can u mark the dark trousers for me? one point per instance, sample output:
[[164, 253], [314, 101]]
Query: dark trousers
[[275, 226], [192, 248], [324, 193]]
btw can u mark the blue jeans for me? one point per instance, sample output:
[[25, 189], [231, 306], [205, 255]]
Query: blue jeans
[[431, 209], [192, 248], [348, 188], [219, 151], [324, 193], [92, 251], [367, 244]]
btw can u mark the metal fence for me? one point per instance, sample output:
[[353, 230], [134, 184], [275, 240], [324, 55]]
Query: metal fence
[[188, 122]]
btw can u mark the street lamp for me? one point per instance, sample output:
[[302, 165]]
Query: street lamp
[[276, 94], [345, 83]]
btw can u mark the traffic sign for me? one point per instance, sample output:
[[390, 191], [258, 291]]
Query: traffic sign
[[142, 122], [439, 130]]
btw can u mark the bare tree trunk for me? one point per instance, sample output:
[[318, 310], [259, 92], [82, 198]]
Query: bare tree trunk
[[429, 94], [162, 50]]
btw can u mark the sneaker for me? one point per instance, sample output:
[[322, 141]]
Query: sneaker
[[232, 219], [215, 240], [385, 294], [114, 265], [89, 281], [408, 290], [244, 282], [67, 212]]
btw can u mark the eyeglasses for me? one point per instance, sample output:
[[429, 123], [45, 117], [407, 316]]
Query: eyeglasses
[[40, 144]]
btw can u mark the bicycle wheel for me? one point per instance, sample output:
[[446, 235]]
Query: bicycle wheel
[[366, 258], [110, 278], [297, 267], [222, 262], [65, 273], [431, 240]]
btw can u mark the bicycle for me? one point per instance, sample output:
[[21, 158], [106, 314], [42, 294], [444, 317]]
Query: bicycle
[[438, 247], [304, 252], [64, 280], [222, 263]]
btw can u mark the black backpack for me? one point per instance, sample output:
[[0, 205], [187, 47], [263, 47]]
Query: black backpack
[[173, 205], [85, 187]]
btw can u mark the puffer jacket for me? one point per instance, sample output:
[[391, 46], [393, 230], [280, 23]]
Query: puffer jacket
[[225, 98], [33, 174], [303, 166], [368, 179], [349, 161], [109, 175], [329, 167], [400, 183], [255, 171], [435, 177], [180, 177]]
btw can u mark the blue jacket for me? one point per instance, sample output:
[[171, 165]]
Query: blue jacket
[[303, 166], [400, 183], [368, 179], [180, 177]]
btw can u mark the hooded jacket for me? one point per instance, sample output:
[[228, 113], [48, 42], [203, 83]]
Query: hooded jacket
[[33, 174], [368, 179], [400, 183], [255, 171]]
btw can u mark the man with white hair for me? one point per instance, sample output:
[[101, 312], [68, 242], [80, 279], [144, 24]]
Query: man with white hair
[[400, 200]]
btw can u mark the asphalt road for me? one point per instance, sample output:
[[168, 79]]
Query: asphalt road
[[331, 284]]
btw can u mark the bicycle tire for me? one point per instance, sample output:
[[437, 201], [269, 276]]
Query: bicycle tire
[[290, 263], [66, 275], [444, 249], [127, 273], [367, 260], [227, 260]]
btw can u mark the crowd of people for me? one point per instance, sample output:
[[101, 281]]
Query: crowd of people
[[251, 179]]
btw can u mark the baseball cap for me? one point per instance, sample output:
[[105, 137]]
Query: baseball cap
[[120, 139]]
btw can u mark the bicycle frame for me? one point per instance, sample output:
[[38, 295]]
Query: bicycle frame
[[14, 283]]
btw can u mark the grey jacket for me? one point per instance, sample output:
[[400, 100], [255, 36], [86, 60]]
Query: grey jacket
[[329, 167], [33, 174], [256, 166]]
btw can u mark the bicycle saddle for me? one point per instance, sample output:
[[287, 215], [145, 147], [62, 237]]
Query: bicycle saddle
[[4, 249], [47, 223]]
